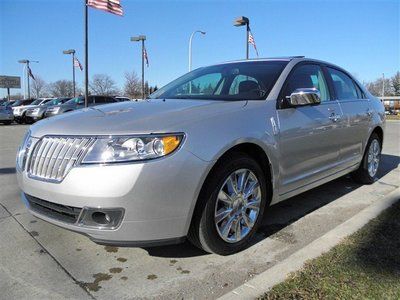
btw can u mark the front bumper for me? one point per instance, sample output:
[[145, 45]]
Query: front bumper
[[6, 116], [35, 116], [158, 197]]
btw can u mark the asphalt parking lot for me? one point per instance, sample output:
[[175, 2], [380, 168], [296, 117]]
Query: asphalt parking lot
[[39, 260]]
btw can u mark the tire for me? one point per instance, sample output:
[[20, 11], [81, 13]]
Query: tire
[[208, 235], [362, 174]]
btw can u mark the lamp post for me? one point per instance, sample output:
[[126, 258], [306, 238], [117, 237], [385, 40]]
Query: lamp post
[[72, 51], [141, 38], [241, 21], [190, 46], [26, 62]]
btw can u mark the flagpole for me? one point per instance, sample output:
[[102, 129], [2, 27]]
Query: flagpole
[[86, 55], [142, 68], [247, 39]]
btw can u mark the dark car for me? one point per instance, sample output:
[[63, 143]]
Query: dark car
[[78, 103], [6, 113], [38, 112]]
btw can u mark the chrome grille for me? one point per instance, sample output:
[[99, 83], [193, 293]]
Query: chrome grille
[[53, 157]]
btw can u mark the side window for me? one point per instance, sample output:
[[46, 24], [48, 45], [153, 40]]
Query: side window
[[101, 100], [344, 86], [307, 76]]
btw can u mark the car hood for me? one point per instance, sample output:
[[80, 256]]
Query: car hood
[[142, 117], [23, 107]]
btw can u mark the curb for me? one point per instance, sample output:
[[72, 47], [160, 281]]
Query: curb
[[278, 273]]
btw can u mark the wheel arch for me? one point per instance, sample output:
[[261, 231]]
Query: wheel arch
[[251, 149]]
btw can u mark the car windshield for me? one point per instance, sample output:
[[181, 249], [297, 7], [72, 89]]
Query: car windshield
[[17, 103], [232, 81], [53, 102], [75, 100], [37, 102]]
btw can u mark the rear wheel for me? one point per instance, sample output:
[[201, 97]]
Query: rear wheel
[[368, 169], [232, 202]]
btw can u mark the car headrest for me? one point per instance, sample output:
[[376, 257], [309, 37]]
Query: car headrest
[[247, 86]]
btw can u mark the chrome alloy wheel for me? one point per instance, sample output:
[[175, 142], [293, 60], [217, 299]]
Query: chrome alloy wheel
[[237, 206], [374, 152]]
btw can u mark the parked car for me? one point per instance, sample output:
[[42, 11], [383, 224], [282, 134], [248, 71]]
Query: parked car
[[204, 156], [78, 103], [20, 110], [37, 112], [6, 113], [122, 99]]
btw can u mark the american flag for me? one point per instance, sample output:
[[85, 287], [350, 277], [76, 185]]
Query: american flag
[[30, 73], [253, 42], [111, 6], [145, 56], [77, 64]]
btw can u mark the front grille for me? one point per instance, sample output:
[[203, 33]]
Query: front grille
[[67, 214], [53, 157]]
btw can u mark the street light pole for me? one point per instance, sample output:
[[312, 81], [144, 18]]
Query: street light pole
[[141, 38], [27, 77], [72, 51], [190, 46], [241, 21], [26, 62]]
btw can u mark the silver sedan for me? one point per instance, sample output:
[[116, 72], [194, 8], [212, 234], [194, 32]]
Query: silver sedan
[[205, 156]]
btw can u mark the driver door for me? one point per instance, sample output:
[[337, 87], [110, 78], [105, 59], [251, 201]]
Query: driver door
[[309, 138]]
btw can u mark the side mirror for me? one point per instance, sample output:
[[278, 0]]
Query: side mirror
[[305, 96]]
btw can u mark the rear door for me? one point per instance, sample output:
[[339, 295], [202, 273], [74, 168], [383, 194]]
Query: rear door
[[356, 113], [309, 139]]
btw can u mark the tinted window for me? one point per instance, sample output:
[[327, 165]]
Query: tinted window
[[307, 76], [232, 81], [102, 100], [345, 87]]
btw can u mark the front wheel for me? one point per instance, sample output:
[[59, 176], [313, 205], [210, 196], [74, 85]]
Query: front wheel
[[234, 200], [366, 173]]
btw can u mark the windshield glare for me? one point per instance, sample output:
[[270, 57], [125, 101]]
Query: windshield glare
[[75, 100], [232, 81]]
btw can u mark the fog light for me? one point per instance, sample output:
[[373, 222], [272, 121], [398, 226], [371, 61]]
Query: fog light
[[101, 218]]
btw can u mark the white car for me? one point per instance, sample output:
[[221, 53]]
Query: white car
[[20, 111]]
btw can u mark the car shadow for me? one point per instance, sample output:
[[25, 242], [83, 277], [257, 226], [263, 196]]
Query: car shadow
[[7, 171], [284, 213]]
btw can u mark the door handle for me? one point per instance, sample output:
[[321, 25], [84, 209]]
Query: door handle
[[334, 118]]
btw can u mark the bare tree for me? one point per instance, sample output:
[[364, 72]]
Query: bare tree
[[132, 87], [102, 84], [62, 88], [38, 87], [396, 84]]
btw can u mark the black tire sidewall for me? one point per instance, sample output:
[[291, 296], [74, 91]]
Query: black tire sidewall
[[208, 234], [362, 174]]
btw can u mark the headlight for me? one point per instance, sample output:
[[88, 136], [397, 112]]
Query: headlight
[[132, 148], [54, 109], [23, 150]]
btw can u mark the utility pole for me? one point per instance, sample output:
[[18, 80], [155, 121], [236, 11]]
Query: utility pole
[[383, 84]]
